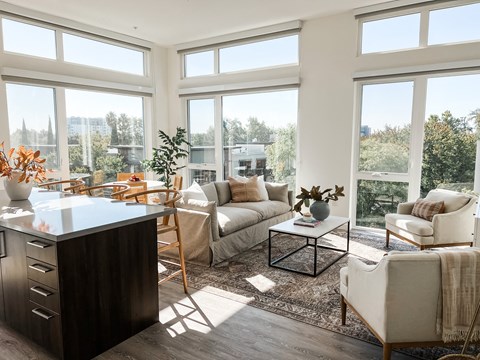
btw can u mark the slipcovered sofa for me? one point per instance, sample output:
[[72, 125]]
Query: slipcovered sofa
[[217, 229]]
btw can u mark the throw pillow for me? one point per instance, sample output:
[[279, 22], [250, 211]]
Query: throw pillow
[[262, 191], [277, 192], [244, 190], [194, 192], [426, 209]]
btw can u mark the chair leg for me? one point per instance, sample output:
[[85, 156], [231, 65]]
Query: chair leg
[[343, 310], [387, 238], [181, 256], [387, 351]]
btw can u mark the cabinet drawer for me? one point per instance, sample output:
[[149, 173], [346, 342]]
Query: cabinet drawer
[[42, 249], [42, 272], [44, 295], [45, 328]]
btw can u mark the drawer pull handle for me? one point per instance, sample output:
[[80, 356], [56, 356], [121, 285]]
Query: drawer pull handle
[[40, 268], [43, 314], [38, 244], [41, 291]]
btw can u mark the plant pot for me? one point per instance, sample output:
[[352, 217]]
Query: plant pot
[[320, 210], [17, 190]]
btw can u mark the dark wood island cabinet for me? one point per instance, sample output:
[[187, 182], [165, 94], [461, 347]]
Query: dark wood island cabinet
[[78, 275]]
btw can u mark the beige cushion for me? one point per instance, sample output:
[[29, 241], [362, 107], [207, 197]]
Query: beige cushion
[[223, 192], [410, 223], [243, 189], [427, 209], [267, 209], [277, 192], [231, 219], [453, 200]]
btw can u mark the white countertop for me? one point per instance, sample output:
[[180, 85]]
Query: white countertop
[[60, 216]]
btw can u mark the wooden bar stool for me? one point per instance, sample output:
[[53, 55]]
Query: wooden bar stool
[[168, 197]]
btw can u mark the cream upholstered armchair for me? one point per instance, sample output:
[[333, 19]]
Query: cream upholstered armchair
[[397, 299], [451, 225]]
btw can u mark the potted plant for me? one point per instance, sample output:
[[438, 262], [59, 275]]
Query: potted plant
[[19, 168], [319, 208], [164, 161]]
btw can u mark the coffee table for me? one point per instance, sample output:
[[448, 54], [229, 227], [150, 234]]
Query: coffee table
[[309, 233]]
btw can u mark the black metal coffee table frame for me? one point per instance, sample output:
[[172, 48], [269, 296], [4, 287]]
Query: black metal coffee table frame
[[307, 233]]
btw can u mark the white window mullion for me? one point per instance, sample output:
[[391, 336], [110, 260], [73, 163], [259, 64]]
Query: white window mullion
[[424, 19], [218, 138], [62, 133], [417, 135]]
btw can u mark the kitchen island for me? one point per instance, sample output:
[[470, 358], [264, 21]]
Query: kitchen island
[[78, 274]]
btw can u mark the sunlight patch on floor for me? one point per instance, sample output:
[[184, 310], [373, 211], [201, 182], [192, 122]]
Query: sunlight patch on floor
[[365, 251], [202, 311], [261, 282]]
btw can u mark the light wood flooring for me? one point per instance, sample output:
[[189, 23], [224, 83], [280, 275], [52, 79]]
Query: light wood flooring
[[203, 326]]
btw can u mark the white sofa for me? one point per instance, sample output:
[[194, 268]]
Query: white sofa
[[397, 299], [217, 229], [453, 227]]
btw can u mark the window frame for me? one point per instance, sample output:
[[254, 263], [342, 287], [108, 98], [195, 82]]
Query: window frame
[[250, 40], [424, 11]]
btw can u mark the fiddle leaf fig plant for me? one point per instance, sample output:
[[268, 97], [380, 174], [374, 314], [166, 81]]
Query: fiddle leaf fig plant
[[318, 195], [164, 160]]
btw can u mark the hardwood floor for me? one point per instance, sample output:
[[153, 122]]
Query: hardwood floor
[[206, 326]]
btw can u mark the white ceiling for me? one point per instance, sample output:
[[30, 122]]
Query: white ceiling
[[170, 22]]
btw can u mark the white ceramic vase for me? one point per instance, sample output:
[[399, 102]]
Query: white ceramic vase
[[17, 190]]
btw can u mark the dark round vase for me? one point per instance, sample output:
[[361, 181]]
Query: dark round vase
[[320, 210]]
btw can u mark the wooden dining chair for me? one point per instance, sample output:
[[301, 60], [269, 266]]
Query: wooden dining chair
[[74, 185], [126, 176], [177, 182], [168, 197], [116, 191]]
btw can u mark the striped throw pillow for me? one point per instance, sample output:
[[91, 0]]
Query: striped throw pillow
[[244, 190], [426, 209]]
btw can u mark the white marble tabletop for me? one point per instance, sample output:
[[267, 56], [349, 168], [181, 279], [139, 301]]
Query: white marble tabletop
[[59, 216]]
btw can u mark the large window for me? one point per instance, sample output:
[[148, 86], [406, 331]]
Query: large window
[[32, 120], [258, 136], [87, 123], [105, 134], [384, 150], [27, 39]]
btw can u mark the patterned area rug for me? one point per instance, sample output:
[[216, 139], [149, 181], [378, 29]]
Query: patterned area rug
[[312, 300]]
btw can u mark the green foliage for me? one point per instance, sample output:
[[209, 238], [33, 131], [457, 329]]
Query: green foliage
[[449, 150], [111, 165], [164, 161], [282, 153], [316, 194]]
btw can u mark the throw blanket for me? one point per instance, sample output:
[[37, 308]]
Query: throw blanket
[[460, 294]]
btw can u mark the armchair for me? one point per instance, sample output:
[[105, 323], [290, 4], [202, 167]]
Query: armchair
[[453, 227], [396, 299]]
